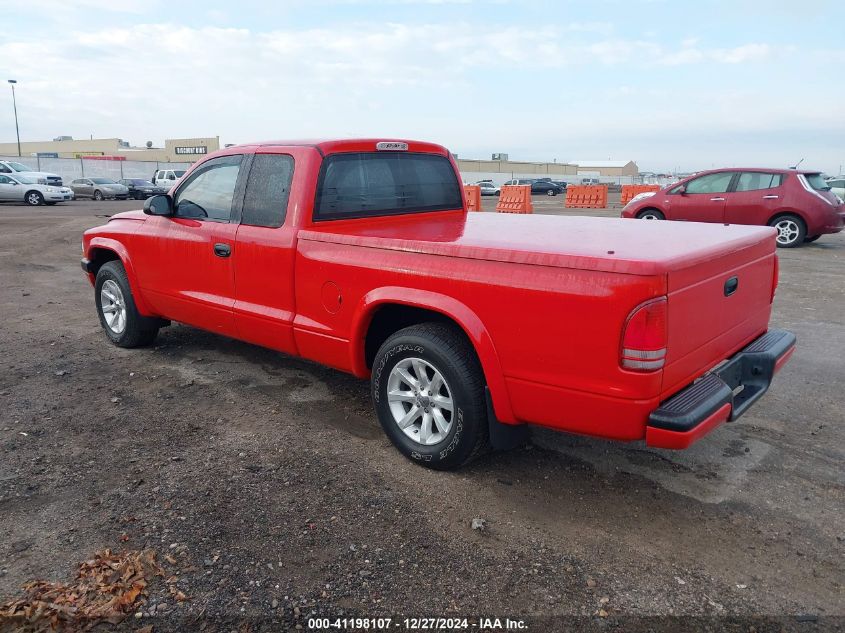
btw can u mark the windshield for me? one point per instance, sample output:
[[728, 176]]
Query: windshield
[[103, 181], [817, 182], [142, 183], [179, 173], [19, 167]]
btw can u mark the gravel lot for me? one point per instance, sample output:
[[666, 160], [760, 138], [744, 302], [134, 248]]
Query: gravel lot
[[268, 482]]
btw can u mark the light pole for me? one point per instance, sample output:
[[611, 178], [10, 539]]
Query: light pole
[[12, 83]]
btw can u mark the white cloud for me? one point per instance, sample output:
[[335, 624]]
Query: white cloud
[[439, 81]]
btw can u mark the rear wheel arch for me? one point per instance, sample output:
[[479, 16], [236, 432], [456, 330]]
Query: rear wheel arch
[[784, 212], [388, 310]]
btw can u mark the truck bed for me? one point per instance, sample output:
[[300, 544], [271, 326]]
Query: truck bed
[[586, 243]]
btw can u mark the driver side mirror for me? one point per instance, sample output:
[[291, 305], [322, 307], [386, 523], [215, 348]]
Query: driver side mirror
[[158, 205]]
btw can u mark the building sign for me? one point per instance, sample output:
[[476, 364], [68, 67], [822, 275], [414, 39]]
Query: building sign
[[201, 149], [47, 154]]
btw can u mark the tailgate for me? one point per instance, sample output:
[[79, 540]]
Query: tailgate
[[715, 308]]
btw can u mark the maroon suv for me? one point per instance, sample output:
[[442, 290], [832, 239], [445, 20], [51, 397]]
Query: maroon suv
[[799, 204]]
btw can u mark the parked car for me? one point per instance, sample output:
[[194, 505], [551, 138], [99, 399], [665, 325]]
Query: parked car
[[488, 188], [167, 177], [837, 186], [99, 189], [19, 169], [29, 190], [140, 189], [345, 264], [799, 204], [546, 187], [560, 183], [590, 181]]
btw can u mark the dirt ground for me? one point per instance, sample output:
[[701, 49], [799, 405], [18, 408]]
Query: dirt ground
[[269, 484]]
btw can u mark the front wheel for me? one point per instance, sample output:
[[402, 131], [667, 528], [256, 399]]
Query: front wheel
[[428, 393], [98, 195], [551, 192], [791, 231], [34, 198], [650, 214], [119, 317]]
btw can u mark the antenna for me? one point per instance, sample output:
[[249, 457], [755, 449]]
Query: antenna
[[795, 166]]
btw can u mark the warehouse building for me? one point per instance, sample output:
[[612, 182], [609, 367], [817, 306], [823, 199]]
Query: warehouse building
[[174, 150], [608, 168]]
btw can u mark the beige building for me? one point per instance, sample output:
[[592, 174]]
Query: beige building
[[174, 150], [516, 167], [608, 167]]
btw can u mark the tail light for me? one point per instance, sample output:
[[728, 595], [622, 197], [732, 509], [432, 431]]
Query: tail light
[[775, 278], [644, 338]]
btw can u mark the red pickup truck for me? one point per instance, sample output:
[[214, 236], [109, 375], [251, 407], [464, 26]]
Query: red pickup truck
[[359, 254]]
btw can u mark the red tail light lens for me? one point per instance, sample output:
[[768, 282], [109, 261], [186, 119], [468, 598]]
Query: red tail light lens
[[775, 278], [644, 339]]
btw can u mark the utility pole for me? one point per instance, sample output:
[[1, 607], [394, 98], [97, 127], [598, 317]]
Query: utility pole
[[12, 83]]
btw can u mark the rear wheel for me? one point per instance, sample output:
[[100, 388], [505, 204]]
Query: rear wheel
[[428, 393], [812, 238], [119, 317], [34, 198], [98, 195], [791, 230], [551, 192], [650, 214]]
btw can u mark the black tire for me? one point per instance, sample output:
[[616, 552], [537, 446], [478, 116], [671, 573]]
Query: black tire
[[98, 195], [139, 330], [445, 349], [34, 198], [650, 214], [791, 230], [551, 192], [812, 238]]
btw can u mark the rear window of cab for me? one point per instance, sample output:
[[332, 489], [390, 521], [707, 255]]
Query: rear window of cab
[[368, 184]]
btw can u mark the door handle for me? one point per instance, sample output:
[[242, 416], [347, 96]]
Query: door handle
[[717, 199], [770, 197], [222, 250]]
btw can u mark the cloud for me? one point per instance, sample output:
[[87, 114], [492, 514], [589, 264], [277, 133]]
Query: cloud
[[450, 82]]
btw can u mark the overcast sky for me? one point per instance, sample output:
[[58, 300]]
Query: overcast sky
[[670, 84]]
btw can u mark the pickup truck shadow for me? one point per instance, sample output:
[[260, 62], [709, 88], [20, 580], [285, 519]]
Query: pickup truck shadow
[[708, 471]]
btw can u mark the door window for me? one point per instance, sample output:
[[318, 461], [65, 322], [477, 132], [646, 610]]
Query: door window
[[5, 180], [208, 194], [711, 183], [267, 190], [752, 181]]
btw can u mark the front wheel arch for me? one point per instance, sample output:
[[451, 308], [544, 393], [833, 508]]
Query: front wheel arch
[[659, 215]]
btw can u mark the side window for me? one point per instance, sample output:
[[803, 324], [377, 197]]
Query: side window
[[210, 190], [267, 190], [752, 181], [711, 183], [5, 170], [4, 180], [171, 175]]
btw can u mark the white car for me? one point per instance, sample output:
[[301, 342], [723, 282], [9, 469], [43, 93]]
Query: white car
[[26, 189], [488, 188], [19, 169], [837, 186], [167, 177]]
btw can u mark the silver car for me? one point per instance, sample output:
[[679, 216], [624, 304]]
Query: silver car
[[99, 189], [27, 189]]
